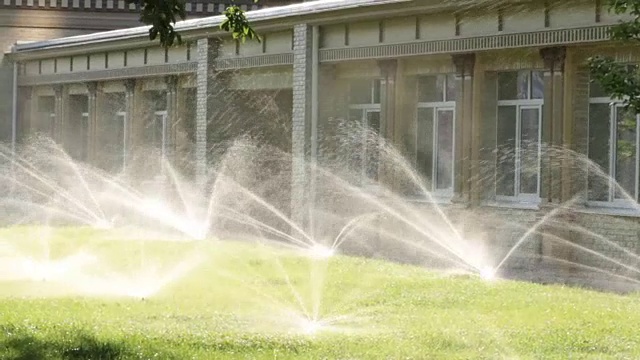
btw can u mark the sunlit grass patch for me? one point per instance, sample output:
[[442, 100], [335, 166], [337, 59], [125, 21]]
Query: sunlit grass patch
[[246, 301]]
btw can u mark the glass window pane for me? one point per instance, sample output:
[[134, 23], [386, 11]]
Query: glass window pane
[[159, 100], [153, 131], [83, 145], [377, 85], [355, 149], [599, 137], [506, 145], [430, 88], [507, 86], [451, 87], [529, 150], [625, 154], [360, 91], [113, 142], [537, 85], [372, 152], [444, 151], [523, 84], [513, 85], [424, 143]]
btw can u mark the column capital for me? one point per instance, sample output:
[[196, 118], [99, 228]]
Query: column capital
[[464, 63], [172, 83], [92, 87], [130, 85], [57, 89], [554, 57], [388, 67]]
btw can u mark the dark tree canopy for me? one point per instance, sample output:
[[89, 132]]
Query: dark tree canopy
[[621, 81], [163, 14]]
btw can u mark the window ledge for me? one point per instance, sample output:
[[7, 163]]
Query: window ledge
[[435, 199], [513, 205], [605, 210]]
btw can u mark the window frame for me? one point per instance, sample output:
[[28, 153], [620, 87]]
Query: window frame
[[365, 109], [122, 115], [613, 202], [437, 107], [84, 124], [163, 140], [529, 103]]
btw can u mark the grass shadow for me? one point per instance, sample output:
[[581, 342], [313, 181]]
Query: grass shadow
[[17, 344]]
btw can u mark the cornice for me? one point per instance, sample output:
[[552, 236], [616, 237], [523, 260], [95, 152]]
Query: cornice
[[264, 20]]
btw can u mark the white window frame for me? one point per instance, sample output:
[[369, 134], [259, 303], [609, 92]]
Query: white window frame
[[614, 202], [122, 116], [437, 107], [365, 109], [84, 118], [50, 123], [522, 104], [163, 140]]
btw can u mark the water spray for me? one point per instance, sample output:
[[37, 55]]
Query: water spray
[[488, 273], [320, 252]]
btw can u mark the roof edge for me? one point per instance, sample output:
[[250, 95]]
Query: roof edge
[[255, 16]]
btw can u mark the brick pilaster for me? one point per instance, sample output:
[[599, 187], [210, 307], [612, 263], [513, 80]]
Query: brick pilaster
[[207, 51], [301, 121]]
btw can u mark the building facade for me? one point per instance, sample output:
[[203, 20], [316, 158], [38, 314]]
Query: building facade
[[493, 103], [36, 20]]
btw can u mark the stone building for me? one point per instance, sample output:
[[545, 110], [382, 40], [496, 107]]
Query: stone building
[[474, 93]]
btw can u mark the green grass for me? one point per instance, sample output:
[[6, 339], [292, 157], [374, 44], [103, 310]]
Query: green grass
[[233, 306]]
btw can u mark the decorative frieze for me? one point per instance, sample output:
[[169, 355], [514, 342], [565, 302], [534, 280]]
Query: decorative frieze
[[111, 74], [254, 61], [589, 34]]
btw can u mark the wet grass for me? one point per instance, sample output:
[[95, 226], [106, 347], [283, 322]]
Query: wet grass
[[238, 304]]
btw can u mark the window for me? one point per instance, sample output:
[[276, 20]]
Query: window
[[84, 137], [613, 148], [112, 125], [519, 120], [47, 118], [364, 97], [115, 142], [156, 129], [435, 124]]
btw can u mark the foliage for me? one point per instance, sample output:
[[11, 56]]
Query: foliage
[[229, 308], [620, 80], [238, 25], [163, 14]]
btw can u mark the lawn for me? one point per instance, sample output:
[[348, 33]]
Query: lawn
[[231, 300]]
